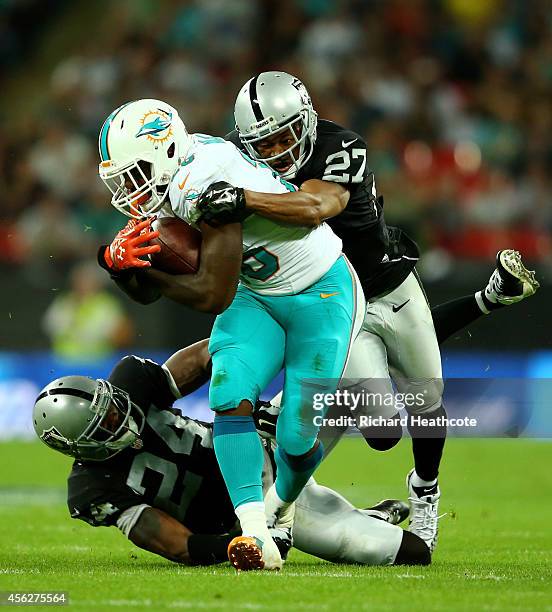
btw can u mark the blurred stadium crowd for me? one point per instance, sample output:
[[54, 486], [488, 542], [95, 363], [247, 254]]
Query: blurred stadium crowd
[[453, 97]]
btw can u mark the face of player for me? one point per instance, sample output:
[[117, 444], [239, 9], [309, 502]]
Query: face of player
[[135, 178], [277, 144], [110, 423]]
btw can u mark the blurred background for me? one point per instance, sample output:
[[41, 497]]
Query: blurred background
[[452, 97]]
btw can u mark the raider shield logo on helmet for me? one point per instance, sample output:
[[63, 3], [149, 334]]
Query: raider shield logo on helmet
[[53, 438]]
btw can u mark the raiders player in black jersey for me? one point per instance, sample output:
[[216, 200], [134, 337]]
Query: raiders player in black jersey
[[277, 125], [144, 467]]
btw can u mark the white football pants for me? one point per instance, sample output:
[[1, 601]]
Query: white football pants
[[397, 341]]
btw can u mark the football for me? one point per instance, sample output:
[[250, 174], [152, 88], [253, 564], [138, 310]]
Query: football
[[180, 246]]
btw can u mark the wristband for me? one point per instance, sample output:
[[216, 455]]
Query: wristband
[[209, 549]]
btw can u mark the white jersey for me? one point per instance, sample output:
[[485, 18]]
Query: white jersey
[[278, 259]]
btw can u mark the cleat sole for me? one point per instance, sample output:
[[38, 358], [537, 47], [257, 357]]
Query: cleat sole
[[511, 261], [245, 554]]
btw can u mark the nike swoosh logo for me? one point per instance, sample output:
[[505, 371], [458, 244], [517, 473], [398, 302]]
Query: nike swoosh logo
[[397, 308], [327, 295], [263, 422], [346, 144], [183, 183]]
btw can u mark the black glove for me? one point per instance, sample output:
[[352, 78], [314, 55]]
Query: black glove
[[265, 416], [221, 203]]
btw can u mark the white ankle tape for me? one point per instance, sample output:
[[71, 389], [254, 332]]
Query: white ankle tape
[[481, 303]]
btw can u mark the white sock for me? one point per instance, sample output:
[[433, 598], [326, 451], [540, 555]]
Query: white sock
[[252, 519], [273, 502], [416, 481]]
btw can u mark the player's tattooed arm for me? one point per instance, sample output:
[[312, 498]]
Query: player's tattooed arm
[[190, 367], [315, 202], [159, 533], [214, 285]]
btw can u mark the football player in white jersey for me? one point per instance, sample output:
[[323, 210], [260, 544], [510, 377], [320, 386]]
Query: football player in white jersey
[[298, 304]]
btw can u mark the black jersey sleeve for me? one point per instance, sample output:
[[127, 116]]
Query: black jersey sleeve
[[144, 380], [344, 160], [234, 138], [339, 156], [98, 496]]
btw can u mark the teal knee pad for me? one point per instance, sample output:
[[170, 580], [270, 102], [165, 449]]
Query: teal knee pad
[[232, 381]]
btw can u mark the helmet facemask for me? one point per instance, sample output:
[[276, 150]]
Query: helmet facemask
[[116, 425], [301, 128], [135, 189]]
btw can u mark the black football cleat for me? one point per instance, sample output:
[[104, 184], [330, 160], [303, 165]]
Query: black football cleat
[[511, 281], [393, 511], [283, 539]]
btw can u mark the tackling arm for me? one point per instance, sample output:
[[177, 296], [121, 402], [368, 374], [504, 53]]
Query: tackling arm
[[213, 287], [190, 367], [161, 534], [314, 202]]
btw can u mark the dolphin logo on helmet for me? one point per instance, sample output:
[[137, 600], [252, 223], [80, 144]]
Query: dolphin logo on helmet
[[152, 129]]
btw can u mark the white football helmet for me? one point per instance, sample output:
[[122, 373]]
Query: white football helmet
[[141, 144], [271, 103]]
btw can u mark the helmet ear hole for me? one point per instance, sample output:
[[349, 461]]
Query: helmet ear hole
[[171, 150]]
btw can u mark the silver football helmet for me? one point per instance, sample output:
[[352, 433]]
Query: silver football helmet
[[271, 103], [86, 418]]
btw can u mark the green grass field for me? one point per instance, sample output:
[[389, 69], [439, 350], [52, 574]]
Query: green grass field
[[495, 550]]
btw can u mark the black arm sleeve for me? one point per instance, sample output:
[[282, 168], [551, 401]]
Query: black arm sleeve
[[133, 281], [144, 380], [209, 549], [234, 138], [98, 496]]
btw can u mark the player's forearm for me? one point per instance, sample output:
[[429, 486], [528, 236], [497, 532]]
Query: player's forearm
[[198, 291], [213, 287], [161, 534], [295, 208], [315, 202], [190, 367]]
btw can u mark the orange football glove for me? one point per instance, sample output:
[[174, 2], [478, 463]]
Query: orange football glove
[[130, 244]]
